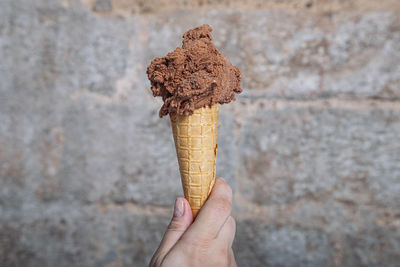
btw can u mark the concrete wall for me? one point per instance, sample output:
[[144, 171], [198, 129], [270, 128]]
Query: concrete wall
[[312, 146]]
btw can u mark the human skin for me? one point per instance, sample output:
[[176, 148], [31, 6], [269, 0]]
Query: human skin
[[207, 241]]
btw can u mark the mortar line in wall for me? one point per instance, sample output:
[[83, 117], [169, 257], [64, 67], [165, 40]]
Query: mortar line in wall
[[126, 11], [251, 210], [245, 108], [75, 209], [143, 209], [352, 104]]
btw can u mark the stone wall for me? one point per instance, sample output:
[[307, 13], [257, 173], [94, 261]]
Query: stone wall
[[311, 147]]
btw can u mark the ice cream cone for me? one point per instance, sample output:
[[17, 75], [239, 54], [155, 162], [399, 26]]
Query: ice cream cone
[[195, 139]]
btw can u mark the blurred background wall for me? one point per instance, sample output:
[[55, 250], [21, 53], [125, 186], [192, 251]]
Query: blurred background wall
[[88, 171]]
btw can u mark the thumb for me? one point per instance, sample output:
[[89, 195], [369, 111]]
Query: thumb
[[180, 221]]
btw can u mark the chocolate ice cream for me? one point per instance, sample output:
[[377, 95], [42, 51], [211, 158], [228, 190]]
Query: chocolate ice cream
[[193, 76]]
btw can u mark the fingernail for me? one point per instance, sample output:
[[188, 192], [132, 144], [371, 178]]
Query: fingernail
[[222, 179], [178, 208]]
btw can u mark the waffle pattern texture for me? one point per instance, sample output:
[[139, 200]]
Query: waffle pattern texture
[[195, 139]]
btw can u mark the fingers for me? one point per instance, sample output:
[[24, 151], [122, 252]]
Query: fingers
[[232, 262], [213, 214], [180, 222], [227, 233]]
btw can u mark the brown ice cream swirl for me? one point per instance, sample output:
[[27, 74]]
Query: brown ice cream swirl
[[193, 76]]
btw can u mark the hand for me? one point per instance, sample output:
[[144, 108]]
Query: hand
[[205, 242]]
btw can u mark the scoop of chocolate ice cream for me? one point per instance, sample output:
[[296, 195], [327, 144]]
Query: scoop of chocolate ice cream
[[193, 76]]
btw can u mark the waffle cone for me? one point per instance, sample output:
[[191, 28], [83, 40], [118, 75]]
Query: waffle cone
[[195, 139]]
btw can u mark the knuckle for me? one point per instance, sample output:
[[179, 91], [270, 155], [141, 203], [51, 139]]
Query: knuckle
[[204, 252], [226, 188], [197, 249], [175, 226], [223, 257], [232, 223], [156, 261], [197, 244], [223, 205]]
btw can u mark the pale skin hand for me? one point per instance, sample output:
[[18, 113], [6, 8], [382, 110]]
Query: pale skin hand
[[207, 241]]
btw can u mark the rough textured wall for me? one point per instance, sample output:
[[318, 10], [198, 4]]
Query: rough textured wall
[[311, 148]]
